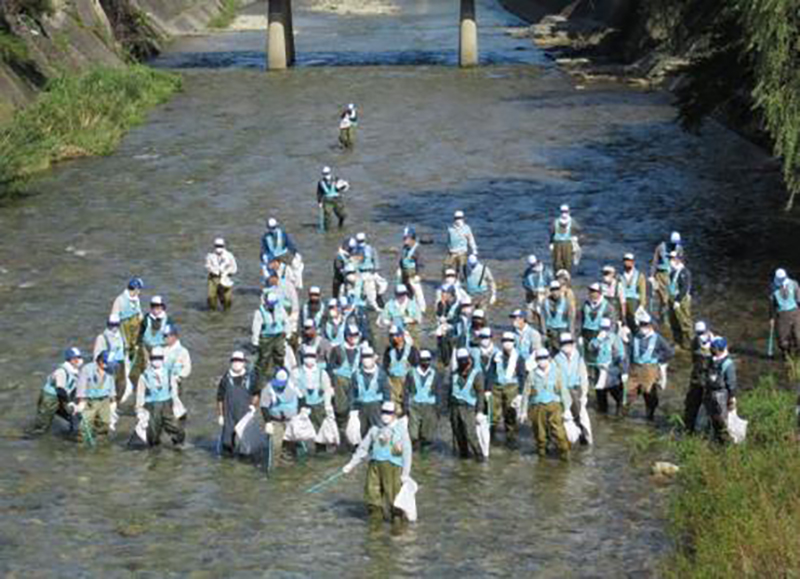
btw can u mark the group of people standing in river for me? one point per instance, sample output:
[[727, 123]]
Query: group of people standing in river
[[318, 380]]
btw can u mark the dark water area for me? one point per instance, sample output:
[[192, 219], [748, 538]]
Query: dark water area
[[507, 143]]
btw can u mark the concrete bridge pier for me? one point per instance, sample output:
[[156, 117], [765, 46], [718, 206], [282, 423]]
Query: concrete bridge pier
[[280, 35], [468, 35]]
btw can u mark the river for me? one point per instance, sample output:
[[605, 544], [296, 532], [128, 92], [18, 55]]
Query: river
[[507, 142]]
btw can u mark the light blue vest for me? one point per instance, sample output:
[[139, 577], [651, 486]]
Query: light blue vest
[[329, 188], [368, 394], [476, 280], [312, 392], [423, 390], [570, 369], [562, 233], [787, 302], [408, 261], [334, 333], [276, 243], [592, 317], [457, 239], [501, 371], [382, 450], [663, 261], [544, 389], [316, 317], [535, 280], [464, 390], [130, 308], [396, 317], [50, 383], [285, 403], [157, 386], [646, 357], [347, 368], [524, 342], [152, 337], [272, 323], [398, 367], [605, 349], [95, 388], [556, 320], [368, 264], [115, 347], [631, 292]]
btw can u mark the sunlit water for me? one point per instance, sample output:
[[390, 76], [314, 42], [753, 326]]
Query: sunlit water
[[507, 143]]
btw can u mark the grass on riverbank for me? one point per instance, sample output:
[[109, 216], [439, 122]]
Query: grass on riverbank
[[226, 15], [79, 116], [736, 510]]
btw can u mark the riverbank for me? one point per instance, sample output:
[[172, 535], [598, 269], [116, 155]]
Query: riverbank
[[79, 116], [735, 63], [736, 510]]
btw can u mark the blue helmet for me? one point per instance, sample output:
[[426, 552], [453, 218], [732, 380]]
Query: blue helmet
[[719, 343], [136, 283], [410, 232], [72, 353], [171, 330]]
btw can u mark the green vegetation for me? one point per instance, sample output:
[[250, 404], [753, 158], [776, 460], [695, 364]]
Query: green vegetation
[[227, 15], [79, 116], [747, 56], [12, 49], [736, 510]]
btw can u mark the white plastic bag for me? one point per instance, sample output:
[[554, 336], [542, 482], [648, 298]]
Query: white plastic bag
[[248, 435], [406, 499], [300, 429], [353, 429], [484, 435], [662, 382], [737, 427], [297, 267], [328, 432], [178, 409], [143, 420], [243, 423], [577, 252], [572, 429], [602, 380]]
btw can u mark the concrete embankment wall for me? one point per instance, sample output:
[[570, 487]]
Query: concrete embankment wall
[[69, 36]]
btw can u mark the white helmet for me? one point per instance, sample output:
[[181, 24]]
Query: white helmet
[[326, 170]]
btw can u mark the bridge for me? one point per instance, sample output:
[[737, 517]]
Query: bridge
[[280, 35]]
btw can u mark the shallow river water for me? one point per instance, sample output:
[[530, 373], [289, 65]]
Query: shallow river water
[[508, 143]]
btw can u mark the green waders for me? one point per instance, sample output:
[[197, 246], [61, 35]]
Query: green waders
[[546, 421], [96, 417], [46, 409], [382, 485], [163, 419], [502, 397], [218, 294], [680, 321], [465, 436], [271, 354], [562, 256], [422, 422], [331, 207]]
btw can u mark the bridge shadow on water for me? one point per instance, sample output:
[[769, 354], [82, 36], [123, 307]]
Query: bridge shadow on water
[[253, 59]]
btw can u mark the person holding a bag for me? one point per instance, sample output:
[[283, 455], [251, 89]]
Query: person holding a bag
[[720, 393], [545, 402], [237, 395], [576, 381], [369, 389], [315, 385], [563, 240], [648, 352], [607, 365], [221, 266], [467, 403], [281, 401], [388, 447]]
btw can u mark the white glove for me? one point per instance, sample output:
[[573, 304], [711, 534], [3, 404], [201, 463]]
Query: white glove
[[676, 305], [488, 395], [404, 478], [79, 408], [113, 407], [305, 411], [517, 402], [624, 378], [493, 300], [348, 468], [522, 417], [221, 420], [480, 417], [551, 247], [269, 429], [71, 408], [652, 280], [252, 409]]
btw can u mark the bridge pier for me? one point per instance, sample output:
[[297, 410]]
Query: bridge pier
[[468, 35], [280, 35]]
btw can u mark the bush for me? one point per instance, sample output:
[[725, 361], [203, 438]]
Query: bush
[[737, 509], [79, 116]]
